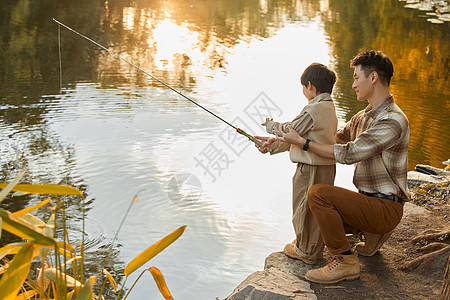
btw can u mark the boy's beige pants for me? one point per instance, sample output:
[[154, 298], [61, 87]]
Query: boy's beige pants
[[309, 241]]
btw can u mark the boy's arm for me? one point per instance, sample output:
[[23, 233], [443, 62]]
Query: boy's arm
[[302, 124], [273, 127]]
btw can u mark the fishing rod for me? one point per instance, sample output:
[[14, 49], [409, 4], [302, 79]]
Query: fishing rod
[[250, 137]]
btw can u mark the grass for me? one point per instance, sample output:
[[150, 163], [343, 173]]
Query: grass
[[61, 273]]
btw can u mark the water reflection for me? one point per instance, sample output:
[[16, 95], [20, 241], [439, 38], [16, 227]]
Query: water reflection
[[114, 133], [420, 54]]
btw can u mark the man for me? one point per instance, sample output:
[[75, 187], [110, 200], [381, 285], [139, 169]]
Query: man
[[376, 141]]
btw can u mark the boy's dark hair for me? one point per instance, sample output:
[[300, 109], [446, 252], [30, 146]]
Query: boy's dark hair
[[320, 76], [377, 61]]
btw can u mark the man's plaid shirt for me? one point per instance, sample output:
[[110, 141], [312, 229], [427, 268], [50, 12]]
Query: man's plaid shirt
[[376, 141]]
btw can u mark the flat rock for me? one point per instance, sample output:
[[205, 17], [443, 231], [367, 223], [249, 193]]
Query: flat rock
[[419, 178], [282, 278], [412, 209]]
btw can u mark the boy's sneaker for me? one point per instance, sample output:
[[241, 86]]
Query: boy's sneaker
[[341, 267], [289, 251], [373, 242]]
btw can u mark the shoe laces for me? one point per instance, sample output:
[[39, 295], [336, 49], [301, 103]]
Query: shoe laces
[[334, 261]]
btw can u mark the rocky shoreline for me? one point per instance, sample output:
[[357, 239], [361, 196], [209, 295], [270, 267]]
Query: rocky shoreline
[[283, 277]]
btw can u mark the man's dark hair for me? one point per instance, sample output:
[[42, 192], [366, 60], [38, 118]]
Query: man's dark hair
[[320, 76], [377, 61]]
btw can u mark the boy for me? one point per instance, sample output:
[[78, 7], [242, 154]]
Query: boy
[[318, 122]]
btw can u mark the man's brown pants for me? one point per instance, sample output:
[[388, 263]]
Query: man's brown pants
[[339, 211]]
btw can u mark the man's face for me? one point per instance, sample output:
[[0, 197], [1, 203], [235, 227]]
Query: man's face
[[362, 85]]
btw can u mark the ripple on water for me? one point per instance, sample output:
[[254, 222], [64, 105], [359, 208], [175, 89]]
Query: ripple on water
[[96, 234]]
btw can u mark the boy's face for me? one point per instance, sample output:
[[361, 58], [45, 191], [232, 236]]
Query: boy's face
[[362, 85]]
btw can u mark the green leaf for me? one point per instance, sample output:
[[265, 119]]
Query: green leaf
[[52, 189], [33, 220], [16, 273], [6, 188], [153, 250], [23, 229], [86, 292], [50, 232], [60, 278], [161, 283]]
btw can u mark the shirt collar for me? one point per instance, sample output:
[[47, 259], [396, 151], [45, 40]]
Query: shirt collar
[[374, 112], [321, 97]]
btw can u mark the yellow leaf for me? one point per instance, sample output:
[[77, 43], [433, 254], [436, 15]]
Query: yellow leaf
[[65, 252], [69, 295], [26, 295], [6, 188], [161, 283], [4, 252], [70, 261], [153, 250], [61, 278], [11, 249], [24, 211], [25, 230], [16, 273], [52, 189], [111, 279]]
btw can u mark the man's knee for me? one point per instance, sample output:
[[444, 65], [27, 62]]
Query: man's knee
[[317, 193]]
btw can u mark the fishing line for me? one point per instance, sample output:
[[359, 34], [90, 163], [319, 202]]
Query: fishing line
[[250, 137]]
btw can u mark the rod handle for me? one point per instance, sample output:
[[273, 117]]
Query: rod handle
[[256, 141], [250, 137]]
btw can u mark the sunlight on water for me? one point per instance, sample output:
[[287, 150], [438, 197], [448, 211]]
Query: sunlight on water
[[143, 143], [115, 133], [170, 40]]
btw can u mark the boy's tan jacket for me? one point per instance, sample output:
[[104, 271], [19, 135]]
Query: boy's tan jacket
[[322, 111]]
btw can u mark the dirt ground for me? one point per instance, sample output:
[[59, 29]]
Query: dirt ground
[[382, 276]]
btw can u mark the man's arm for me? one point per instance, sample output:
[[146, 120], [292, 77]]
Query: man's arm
[[293, 137]]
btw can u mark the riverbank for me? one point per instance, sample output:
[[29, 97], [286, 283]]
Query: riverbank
[[410, 265]]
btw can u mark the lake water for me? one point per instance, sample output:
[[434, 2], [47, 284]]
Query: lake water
[[113, 132]]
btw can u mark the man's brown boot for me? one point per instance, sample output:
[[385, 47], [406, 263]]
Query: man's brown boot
[[341, 267], [373, 242], [289, 251]]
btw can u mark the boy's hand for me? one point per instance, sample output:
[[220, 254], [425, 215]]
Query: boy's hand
[[267, 142], [267, 120]]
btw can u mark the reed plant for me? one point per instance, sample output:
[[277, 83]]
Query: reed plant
[[61, 272]]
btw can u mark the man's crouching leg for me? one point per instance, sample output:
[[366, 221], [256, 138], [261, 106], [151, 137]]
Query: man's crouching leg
[[326, 202]]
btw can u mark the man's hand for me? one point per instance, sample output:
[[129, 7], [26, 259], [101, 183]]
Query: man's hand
[[267, 142], [292, 137]]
